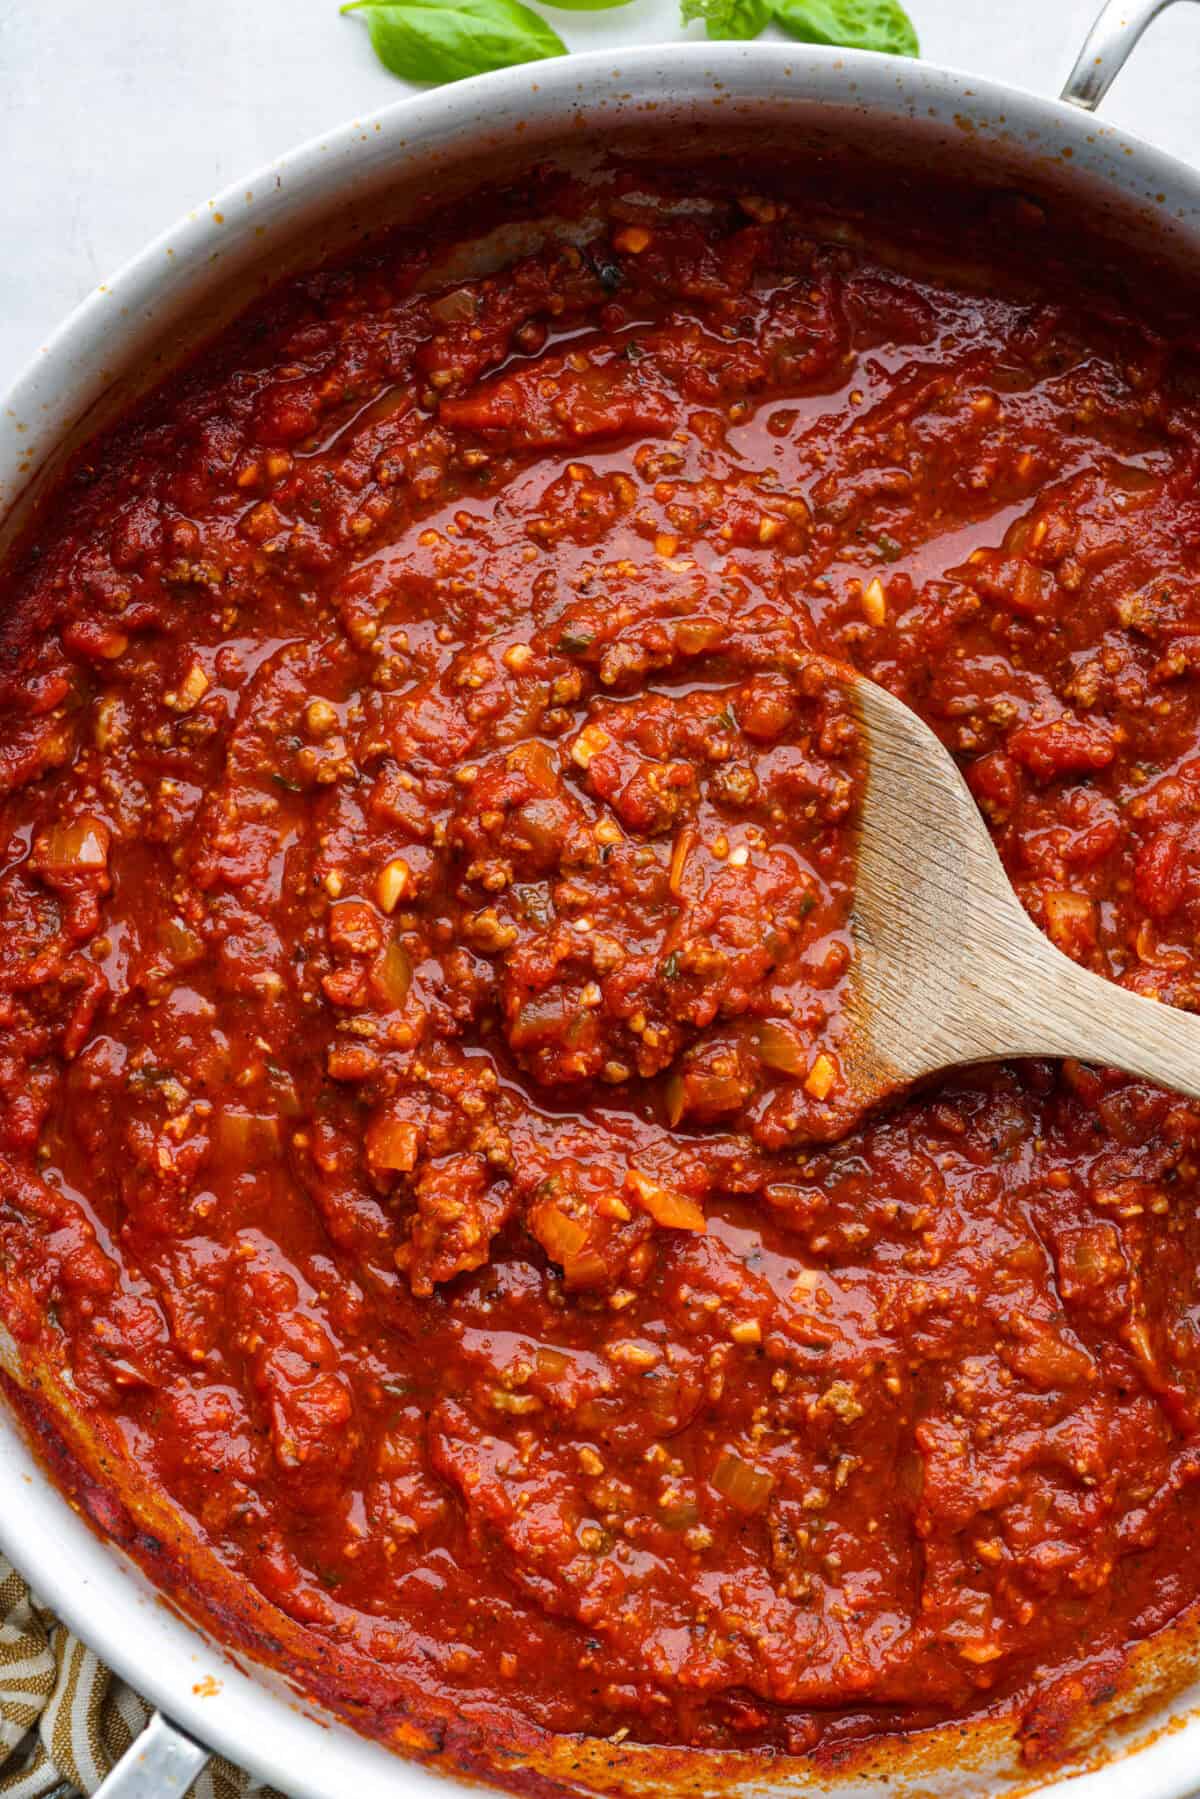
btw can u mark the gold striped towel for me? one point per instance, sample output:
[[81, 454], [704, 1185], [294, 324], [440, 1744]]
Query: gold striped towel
[[64, 1717]]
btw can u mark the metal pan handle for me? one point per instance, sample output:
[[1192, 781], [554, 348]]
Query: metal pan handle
[[160, 1764], [1108, 47]]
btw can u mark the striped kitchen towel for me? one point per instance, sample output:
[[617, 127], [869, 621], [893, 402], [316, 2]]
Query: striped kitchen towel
[[64, 1717]]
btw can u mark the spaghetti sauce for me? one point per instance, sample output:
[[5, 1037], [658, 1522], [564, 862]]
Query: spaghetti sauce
[[426, 824]]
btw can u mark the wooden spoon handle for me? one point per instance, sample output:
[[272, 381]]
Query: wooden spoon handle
[[1047, 1005], [951, 969]]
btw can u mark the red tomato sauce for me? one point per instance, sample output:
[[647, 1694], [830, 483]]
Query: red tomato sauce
[[427, 854]]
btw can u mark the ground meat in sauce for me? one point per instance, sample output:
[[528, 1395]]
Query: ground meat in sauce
[[427, 852]]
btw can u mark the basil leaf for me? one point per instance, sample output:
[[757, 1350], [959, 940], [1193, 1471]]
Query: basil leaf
[[850, 24], [728, 18], [445, 40]]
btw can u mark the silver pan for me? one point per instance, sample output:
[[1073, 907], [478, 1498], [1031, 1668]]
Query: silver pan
[[131, 331]]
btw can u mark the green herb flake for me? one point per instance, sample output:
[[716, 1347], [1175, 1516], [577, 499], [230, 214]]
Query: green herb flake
[[607, 272], [151, 1076]]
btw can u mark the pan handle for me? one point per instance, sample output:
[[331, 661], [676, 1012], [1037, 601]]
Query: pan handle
[[1108, 47], [160, 1764]]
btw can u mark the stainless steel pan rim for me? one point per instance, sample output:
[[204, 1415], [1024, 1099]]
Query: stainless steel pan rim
[[253, 1718]]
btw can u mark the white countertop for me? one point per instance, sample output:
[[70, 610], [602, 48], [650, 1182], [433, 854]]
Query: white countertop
[[119, 115]]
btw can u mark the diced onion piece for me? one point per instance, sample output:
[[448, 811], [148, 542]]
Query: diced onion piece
[[683, 847], [247, 1138], [392, 974], [519, 1404], [394, 883], [662, 1399], [874, 602], [1071, 922], [560, 1235], [534, 760], [693, 636], [283, 1091], [821, 1077], [1027, 593], [180, 942], [568, 1241], [192, 689], [679, 1513], [668, 1207], [980, 1653], [746, 1330], [542, 1019], [74, 848], [541, 831], [457, 307], [588, 745], [746, 1487], [780, 1048], [708, 1095], [587, 1270], [392, 1144]]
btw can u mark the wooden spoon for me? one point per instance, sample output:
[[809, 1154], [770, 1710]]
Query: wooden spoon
[[950, 968]]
